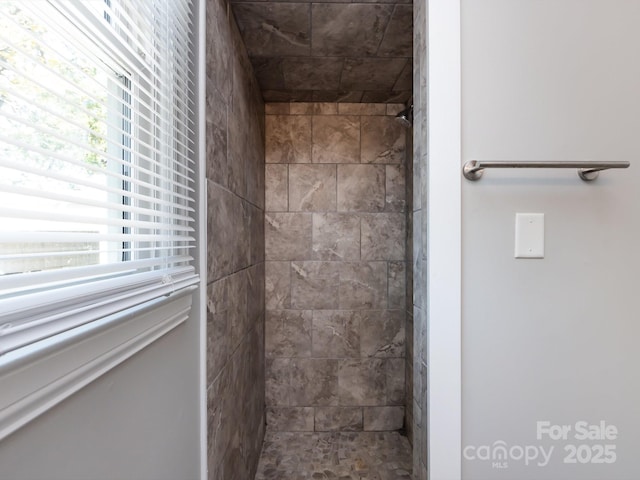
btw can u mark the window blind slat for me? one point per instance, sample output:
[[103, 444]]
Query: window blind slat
[[88, 149], [72, 161], [53, 175], [82, 201], [97, 155]]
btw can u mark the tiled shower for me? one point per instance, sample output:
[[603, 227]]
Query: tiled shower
[[335, 267], [310, 240]]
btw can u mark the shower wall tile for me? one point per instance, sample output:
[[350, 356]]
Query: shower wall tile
[[395, 368], [282, 31], [362, 382], [276, 188], [255, 296], [395, 42], [356, 29], [218, 329], [397, 278], [336, 139], [314, 285], [388, 97], [216, 132], [218, 58], [314, 381], [338, 419], [255, 228], [288, 333], [336, 236], [395, 108], [382, 334], [290, 419], [361, 188], [312, 73], [278, 381], [336, 96], [363, 286], [277, 108], [277, 285], [227, 248], [311, 108], [383, 236], [417, 194], [235, 173], [335, 272], [362, 109], [305, 51], [405, 80], [312, 188], [269, 73], [395, 188], [371, 74], [383, 140], [336, 334], [288, 139], [379, 419], [287, 236]]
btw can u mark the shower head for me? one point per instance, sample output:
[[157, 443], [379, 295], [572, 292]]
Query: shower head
[[405, 117]]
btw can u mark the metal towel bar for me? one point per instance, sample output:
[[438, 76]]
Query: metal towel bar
[[587, 171]]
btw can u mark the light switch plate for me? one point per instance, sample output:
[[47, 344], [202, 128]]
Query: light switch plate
[[529, 235]]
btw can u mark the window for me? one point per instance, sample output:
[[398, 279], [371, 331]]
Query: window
[[96, 161]]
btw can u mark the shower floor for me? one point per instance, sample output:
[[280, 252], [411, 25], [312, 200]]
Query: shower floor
[[344, 456]]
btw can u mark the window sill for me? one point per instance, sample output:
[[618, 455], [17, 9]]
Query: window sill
[[36, 378]]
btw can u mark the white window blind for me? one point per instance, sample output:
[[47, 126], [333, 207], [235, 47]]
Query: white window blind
[[97, 160]]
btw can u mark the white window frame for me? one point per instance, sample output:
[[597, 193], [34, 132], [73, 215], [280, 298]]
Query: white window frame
[[35, 378]]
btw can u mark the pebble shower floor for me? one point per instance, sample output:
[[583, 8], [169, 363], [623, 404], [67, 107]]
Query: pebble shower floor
[[340, 456]]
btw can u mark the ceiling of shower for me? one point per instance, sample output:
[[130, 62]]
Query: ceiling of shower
[[334, 51]]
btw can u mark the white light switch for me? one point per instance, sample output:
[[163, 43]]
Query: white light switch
[[529, 235]]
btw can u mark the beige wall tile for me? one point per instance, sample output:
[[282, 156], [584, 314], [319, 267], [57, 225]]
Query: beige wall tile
[[315, 285], [383, 140], [361, 188], [395, 188], [362, 109], [276, 188], [314, 381], [277, 285], [312, 188], [336, 139], [382, 334], [326, 306], [362, 382], [276, 108], [383, 236], [395, 108], [288, 139], [288, 333], [397, 284], [336, 236], [336, 334], [318, 108], [287, 236], [363, 285], [394, 368], [278, 381]]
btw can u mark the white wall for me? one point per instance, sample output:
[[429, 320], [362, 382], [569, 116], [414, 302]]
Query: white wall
[[552, 339], [139, 421]]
